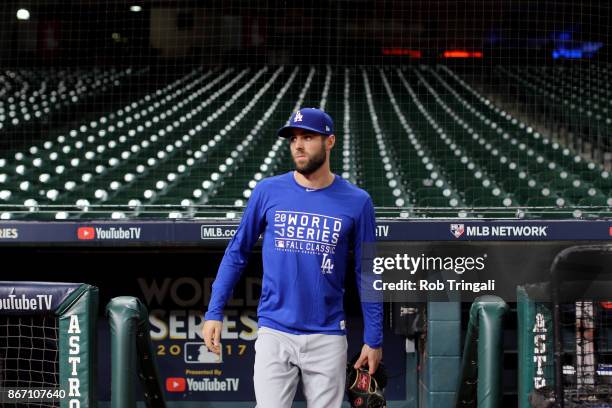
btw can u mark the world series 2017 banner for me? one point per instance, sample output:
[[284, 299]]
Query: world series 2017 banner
[[189, 370]]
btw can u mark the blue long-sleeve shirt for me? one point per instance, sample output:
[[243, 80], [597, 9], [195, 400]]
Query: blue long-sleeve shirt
[[307, 236]]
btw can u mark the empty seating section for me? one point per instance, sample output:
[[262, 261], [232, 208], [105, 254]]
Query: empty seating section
[[420, 139], [32, 95], [559, 174], [577, 97]]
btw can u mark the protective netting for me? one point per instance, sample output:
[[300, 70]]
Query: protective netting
[[169, 109], [29, 358]]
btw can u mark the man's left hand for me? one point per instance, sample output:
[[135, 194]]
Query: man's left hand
[[370, 357]]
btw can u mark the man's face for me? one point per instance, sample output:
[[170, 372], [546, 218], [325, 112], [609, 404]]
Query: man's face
[[308, 150]]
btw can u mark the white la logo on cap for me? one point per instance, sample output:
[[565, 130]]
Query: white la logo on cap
[[298, 117]]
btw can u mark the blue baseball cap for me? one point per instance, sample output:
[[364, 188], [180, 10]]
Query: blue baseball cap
[[311, 119]]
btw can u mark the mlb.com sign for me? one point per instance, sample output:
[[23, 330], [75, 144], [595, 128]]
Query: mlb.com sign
[[459, 230]]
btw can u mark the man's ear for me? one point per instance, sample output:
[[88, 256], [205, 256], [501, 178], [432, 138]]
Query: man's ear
[[331, 141]]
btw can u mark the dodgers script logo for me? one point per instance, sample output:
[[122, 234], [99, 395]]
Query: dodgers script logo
[[298, 117], [457, 230]]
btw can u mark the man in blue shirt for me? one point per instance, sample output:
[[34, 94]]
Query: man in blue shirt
[[310, 219]]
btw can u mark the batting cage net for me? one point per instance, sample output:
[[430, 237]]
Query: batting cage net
[[29, 357], [586, 330], [565, 345], [47, 344], [587, 363], [170, 109]]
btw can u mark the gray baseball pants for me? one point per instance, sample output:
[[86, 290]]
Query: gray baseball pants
[[282, 358]]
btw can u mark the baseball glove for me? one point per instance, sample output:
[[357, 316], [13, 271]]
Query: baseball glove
[[365, 390]]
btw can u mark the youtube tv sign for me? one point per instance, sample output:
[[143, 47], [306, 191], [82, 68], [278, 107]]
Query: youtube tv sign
[[109, 233], [86, 233], [176, 384]]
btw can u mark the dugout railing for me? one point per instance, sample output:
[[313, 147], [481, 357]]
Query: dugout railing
[[132, 354], [480, 382]]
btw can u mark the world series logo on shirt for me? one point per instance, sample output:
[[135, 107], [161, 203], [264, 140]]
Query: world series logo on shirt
[[307, 233]]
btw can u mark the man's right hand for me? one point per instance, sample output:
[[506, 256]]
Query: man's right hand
[[211, 332]]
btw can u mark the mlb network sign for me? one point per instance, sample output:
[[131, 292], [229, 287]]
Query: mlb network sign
[[508, 231]]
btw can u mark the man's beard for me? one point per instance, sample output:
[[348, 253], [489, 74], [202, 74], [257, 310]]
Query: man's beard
[[312, 164]]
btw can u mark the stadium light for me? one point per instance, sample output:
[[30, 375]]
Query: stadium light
[[402, 52], [136, 9], [23, 14], [462, 54]]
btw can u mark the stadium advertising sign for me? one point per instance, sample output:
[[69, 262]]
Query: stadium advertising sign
[[9, 233], [213, 233], [218, 231], [74, 361], [490, 230], [24, 303], [108, 233], [189, 370], [497, 231], [31, 298]]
